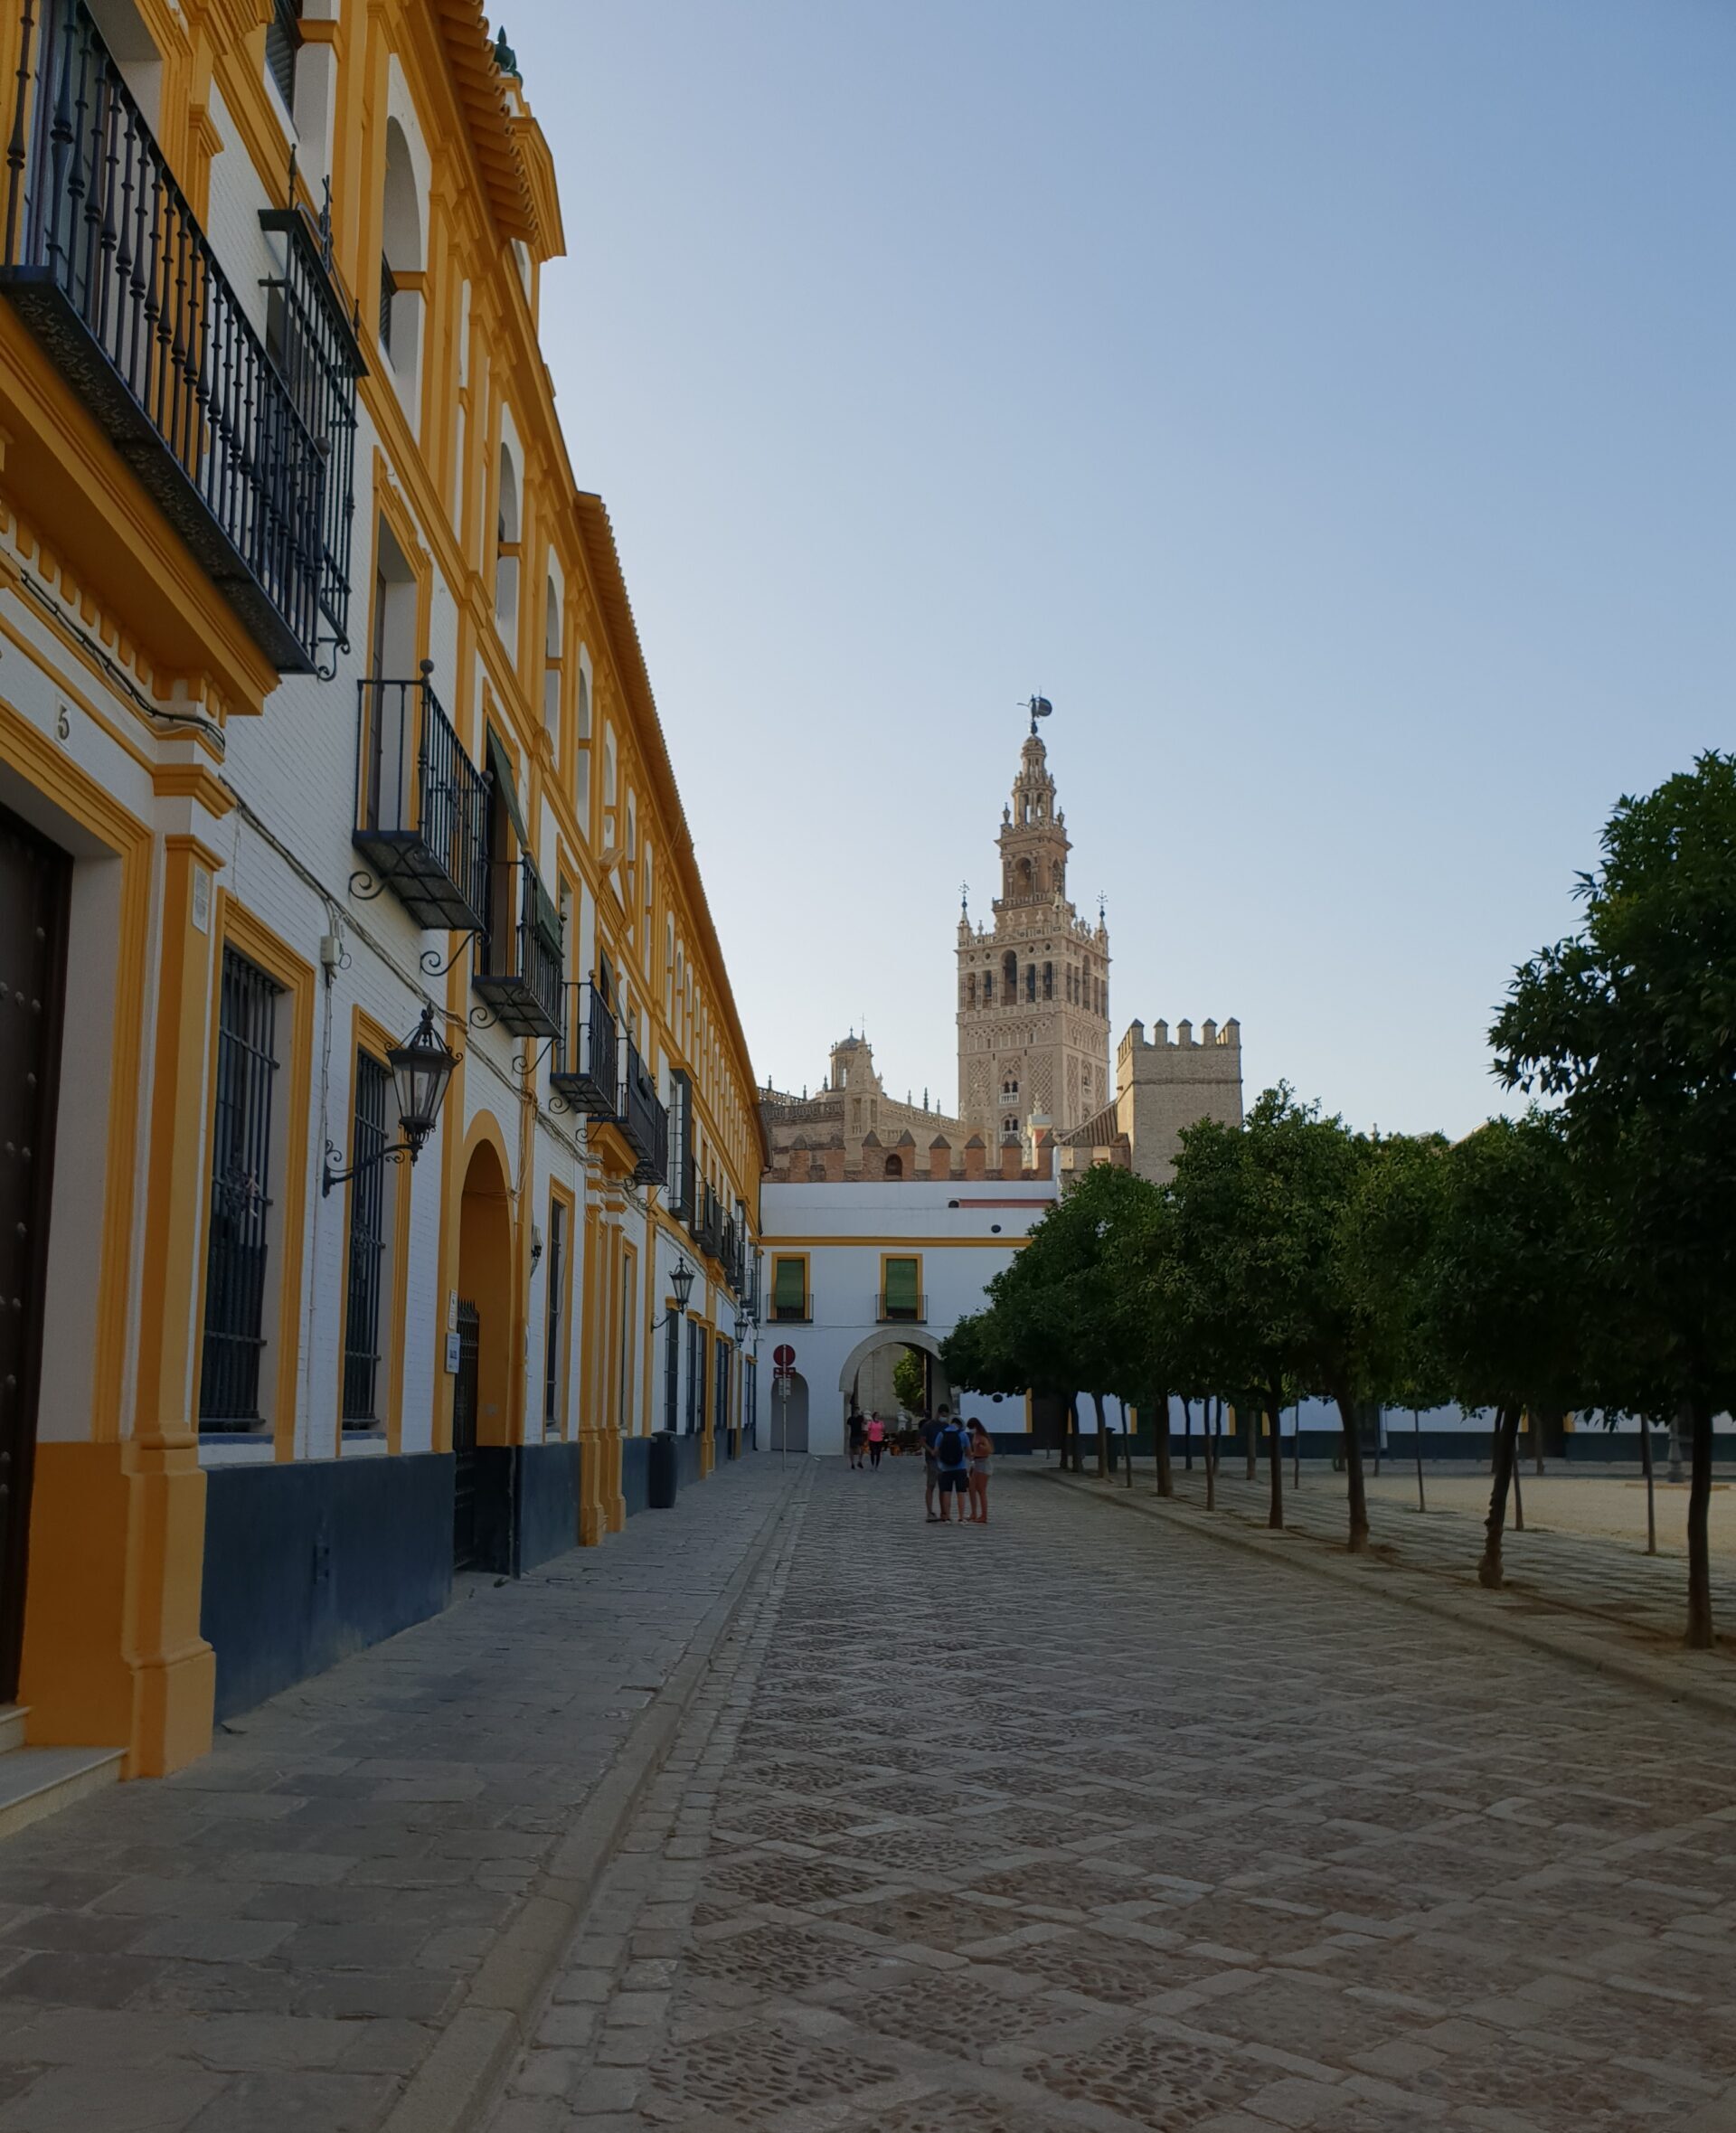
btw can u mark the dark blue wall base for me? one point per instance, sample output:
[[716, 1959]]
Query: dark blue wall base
[[527, 1505], [307, 1562], [636, 1474], [687, 1456]]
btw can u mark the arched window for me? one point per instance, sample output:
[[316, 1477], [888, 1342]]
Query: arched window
[[894, 1166], [1028, 877], [1030, 981], [581, 741], [551, 666], [1048, 981], [1009, 1085], [970, 990], [1010, 1126], [988, 989], [400, 252], [1010, 975], [506, 547]]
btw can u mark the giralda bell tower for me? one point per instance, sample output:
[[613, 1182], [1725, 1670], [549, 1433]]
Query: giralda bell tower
[[1034, 992]]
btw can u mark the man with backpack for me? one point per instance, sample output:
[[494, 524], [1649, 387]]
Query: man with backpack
[[952, 1466]]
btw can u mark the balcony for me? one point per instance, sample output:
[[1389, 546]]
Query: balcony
[[110, 270], [901, 1310], [708, 1223], [585, 1073], [422, 806], [643, 1121], [521, 978]]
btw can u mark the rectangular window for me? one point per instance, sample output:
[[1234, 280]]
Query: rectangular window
[[789, 1289], [241, 1179], [672, 1371], [368, 1143], [901, 1288], [557, 1298], [721, 1390], [695, 1376], [282, 48]]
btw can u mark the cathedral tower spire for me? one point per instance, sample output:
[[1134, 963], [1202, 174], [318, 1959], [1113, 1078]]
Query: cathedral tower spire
[[1034, 989]]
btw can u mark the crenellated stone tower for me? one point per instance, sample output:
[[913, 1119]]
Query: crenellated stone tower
[[1034, 991]]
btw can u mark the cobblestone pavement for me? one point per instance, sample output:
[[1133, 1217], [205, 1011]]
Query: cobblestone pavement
[[273, 1939], [1591, 1574], [1088, 1822]]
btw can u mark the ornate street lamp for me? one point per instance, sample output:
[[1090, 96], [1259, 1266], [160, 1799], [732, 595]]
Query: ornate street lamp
[[421, 1072], [682, 1282]]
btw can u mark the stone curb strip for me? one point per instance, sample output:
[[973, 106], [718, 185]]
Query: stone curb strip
[[458, 2078], [1416, 1589]]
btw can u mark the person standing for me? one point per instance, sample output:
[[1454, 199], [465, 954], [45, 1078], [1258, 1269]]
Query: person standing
[[858, 1433], [952, 1465], [876, 1439], [930, 1432], [982, 1457]]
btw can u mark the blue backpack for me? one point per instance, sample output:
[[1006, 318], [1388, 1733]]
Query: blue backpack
[[950, 1446]]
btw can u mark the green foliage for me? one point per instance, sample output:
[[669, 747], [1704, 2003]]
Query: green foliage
[[909, 1382]]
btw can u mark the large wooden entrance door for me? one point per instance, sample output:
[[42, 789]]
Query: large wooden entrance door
[[33, 878], [464, 1439]]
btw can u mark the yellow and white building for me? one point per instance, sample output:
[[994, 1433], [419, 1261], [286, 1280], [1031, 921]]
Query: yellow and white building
[[321, 704]]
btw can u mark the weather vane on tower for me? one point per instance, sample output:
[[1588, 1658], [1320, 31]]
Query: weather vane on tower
[[1039, 707]]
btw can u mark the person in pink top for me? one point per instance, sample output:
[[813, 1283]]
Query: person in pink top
[[876, 1439]]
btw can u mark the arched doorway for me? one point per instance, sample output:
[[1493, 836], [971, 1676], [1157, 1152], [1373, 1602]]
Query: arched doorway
[[482, 1396], [866, 1381], [788, 1430]]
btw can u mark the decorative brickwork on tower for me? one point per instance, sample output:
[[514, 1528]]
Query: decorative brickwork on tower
[[1034, 990]]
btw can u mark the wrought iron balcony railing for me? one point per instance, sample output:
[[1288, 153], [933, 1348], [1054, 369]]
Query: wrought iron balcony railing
[[585, 1069], [643, 1121], [421, 805], [910, 1310], [519, 975], [107, 265]]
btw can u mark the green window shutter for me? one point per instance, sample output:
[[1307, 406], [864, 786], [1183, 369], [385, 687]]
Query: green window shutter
[[788, 1285], [900, 1286]]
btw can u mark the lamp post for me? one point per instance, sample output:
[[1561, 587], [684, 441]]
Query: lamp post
[[422, 1069], [682, 1282]]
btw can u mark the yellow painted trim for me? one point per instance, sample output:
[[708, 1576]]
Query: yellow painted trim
[[807, 1289], [563, 1391], [192, 781]]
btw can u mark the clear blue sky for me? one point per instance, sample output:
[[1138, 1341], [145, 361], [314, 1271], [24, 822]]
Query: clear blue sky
[[1330, 404]]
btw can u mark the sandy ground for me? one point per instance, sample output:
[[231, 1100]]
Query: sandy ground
[[1612, 1507]]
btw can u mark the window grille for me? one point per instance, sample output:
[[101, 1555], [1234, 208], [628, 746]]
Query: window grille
[[388, 290], [241, 1205], [283, 48], [672, 1372], [721, 1390], [789, 1289], [368, 1141], [695, 1376], [556, 1303]]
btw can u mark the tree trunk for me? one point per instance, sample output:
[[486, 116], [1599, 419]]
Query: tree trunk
[[1506, 1440], [1651, 1493], [1682, 1418], [1354, 1473], [1069, 1439], [1251, 1409], [1187, 1433], [1102, 1439], [1274, 1418], [1700, 1637], [1210, 1456], [1160, 1421]]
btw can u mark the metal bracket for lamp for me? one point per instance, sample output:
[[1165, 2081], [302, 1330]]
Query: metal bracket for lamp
[[421, 1068], [682, 1282], [360, 887]]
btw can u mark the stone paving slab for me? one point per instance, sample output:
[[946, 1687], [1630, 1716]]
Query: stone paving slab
[[282, 1936], [1586, 1599], [1088, 1822]]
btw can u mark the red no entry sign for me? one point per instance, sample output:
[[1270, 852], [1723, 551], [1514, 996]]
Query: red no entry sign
[[783, 1356]]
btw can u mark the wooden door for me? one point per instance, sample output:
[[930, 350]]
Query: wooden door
[[464, 1440], [34, 880]]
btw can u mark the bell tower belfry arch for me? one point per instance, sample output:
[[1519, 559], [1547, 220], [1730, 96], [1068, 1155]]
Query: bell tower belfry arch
[[1034, 987]]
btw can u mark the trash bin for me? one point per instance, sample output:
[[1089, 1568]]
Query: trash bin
[[661, 1482]]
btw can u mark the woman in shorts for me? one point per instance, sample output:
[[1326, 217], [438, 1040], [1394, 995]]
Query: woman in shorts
[[982, 1457]]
